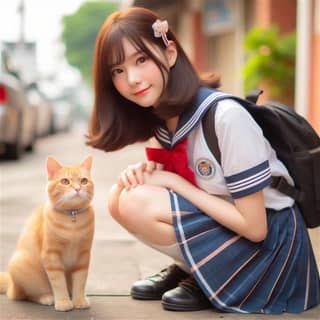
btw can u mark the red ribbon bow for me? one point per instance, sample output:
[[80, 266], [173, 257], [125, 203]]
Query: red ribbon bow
[[174, 160]]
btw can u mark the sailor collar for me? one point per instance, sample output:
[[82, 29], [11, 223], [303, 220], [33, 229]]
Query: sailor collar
[[189, 120]]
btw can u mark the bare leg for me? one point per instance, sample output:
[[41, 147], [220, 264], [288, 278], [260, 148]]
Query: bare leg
[[145, 211]]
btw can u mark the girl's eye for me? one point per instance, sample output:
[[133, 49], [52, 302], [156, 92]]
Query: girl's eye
[[114, 72], [65, 181], [84, 181], [141, 60]]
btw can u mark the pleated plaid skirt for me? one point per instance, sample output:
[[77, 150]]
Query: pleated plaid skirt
[[273, 276]]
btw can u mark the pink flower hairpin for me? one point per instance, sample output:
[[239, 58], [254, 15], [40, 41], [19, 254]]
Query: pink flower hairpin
[[160, 29]]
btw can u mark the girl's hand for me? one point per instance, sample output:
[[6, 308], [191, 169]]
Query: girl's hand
[[165, 179], [133, 175]]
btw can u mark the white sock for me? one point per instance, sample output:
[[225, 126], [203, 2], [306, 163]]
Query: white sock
[[172, 251]]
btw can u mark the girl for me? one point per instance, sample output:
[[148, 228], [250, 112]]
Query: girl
[[240, 245]]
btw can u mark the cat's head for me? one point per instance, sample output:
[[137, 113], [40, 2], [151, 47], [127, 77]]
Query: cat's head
[[70, 187]]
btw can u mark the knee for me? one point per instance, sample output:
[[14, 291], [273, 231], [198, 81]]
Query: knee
[[125, 204], [133, 201], [113, 201]]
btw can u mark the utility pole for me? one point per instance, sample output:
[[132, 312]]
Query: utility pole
[[21, 12]]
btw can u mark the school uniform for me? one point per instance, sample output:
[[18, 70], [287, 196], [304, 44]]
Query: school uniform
[[276, 275]]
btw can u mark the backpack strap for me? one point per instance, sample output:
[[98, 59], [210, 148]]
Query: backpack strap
[[280, 183], [253, 95], [208, 124]]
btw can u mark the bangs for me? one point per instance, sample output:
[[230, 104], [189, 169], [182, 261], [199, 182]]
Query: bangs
[[115, 50]]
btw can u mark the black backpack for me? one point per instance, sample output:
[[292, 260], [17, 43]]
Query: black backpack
[[296, 144]]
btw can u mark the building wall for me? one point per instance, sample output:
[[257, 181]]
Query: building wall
[[200, 53], [314, 111], [219, 46], [280, 12]]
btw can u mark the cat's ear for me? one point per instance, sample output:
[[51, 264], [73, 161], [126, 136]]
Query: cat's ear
[[52, 167], [87, 163]]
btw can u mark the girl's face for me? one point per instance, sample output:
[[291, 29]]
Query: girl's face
[[138, 78]]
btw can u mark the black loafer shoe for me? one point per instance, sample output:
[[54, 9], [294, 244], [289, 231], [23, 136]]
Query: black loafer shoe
[[153, 287], [188, 296]]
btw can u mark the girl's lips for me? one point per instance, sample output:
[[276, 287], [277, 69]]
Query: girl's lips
[[141, 92]]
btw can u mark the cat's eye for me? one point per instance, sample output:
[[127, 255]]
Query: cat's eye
[[65, 181], [84, 181]]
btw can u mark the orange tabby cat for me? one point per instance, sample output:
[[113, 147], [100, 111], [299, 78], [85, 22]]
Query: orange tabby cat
[[50, 264]]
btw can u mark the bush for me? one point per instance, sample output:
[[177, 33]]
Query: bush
[[270, 61]]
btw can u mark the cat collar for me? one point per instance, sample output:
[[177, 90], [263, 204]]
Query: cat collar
[[72, 213]]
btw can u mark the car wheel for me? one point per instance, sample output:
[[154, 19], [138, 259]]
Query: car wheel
[[30, 147], [14, 151]]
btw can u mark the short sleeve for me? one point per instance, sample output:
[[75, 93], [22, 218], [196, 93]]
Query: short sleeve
[[244, 156]]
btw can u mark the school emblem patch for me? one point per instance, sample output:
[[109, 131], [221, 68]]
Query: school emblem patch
[[205, 168]]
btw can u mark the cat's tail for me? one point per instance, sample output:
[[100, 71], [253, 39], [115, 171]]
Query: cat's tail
[[4, 282]]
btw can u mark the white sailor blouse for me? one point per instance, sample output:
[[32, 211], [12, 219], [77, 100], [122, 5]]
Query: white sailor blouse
[[247, 158]]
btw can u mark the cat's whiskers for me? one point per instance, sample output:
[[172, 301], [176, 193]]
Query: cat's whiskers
[[60, 201]]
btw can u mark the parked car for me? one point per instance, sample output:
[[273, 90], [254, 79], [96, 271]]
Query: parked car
[[43, 107], [17, 117]]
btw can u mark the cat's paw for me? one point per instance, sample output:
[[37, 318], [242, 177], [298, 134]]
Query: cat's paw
[[81, 303], [63, 305], [46, 299]]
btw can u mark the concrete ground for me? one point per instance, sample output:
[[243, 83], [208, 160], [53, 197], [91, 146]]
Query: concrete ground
[[118, 259]]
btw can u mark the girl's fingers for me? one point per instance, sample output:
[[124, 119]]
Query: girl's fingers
[[150, 166], [120, 182], [131, 177], [136, 175], [159, 166], [139, 176], [124, 180], [139, 172]]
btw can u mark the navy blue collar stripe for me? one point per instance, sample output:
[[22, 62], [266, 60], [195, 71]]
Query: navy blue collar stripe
[[163, 131], [205, 103], [162, 136], [196, 116]]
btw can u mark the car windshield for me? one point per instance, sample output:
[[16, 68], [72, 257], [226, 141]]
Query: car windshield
[[1, 59], [6, 65]]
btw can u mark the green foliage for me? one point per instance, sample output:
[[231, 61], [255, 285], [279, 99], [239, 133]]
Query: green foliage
[[270, 60], [79, 34]]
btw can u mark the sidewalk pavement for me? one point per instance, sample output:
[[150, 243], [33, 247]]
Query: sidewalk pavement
[[118, 259]]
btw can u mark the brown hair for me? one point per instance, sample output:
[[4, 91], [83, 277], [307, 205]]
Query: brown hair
[[115, 121]]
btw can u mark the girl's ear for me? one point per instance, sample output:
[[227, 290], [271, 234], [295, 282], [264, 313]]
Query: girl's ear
[[171, 53]]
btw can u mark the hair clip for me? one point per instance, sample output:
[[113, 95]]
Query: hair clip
[[160, 29]]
